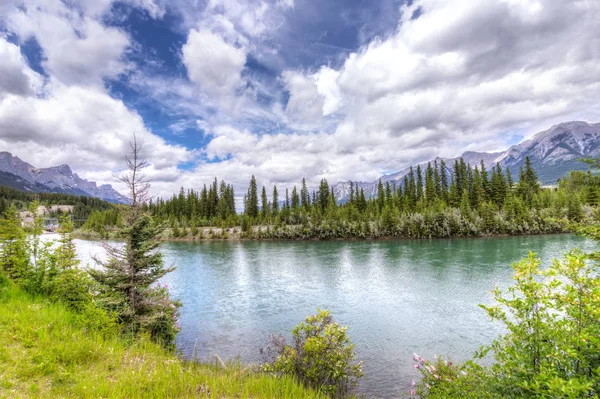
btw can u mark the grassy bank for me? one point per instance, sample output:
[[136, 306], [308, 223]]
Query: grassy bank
[[47, 350]]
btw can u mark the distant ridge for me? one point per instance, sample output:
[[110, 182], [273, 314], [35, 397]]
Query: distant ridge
[[553, 153], [18, 174]]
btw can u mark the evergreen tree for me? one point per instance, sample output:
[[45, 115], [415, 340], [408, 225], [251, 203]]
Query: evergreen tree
[[323, 195], [130, 273], [14, 254], [66, 256], [295, 199], [251, 206], [275, 201], [264, 203], [444, 180], [380, 196], [437, 180], [485, 183], [430, 192], [528, 185], [420, 194], [304, 196]]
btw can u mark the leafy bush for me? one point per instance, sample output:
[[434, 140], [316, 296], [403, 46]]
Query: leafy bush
[[552, 345], [320, 357]]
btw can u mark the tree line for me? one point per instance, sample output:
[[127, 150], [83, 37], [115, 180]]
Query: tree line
[[431, 201]]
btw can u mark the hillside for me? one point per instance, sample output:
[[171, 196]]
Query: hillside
[[20, 175], [553, 152], [47, 351]]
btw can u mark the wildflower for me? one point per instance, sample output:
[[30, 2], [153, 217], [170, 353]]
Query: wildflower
[[428, 386], [437, 377], [413, 383], [416, 366], [412, 392]]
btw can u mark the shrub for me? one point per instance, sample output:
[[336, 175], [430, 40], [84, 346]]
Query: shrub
[[320, 357]]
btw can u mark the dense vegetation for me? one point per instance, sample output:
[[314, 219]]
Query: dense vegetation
[[49, 350], [552, 345], [436, 201], [83, 206]]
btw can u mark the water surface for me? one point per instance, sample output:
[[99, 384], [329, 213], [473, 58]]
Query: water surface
[[397, 297]]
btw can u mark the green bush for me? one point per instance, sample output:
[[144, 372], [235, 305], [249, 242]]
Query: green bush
[[321, 356], [552, 345]]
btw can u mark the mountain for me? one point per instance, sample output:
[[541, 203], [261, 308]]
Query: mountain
[[18, 174], [553, 153]]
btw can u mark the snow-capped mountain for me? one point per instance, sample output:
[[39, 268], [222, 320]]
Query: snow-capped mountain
[[16, 173], [553, 153]]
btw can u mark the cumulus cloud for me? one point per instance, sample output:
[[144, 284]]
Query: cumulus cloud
[[80, 126], [461, 73], [16, 77], [77, 48], [213, 64]]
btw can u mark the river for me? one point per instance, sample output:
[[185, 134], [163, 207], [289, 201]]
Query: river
[[397, 297]]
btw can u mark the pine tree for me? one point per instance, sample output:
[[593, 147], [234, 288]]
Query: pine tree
[[380, 196], [131, 272], [528, 185], [275, 203], [295, 199], [66, 256], [485, 182], [444, 180], [251, 206], [430, 193], [304, 196], [264, 203], [14, 254], [323, 195], [420, 194], [436, 180]]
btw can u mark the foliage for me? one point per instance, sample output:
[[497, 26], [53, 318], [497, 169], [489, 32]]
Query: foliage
[[14, 253], [128, 278], [321, 356], [48, 350], [431, 202], [552, 344]]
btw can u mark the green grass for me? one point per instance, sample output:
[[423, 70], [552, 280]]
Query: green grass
[[48, 351]]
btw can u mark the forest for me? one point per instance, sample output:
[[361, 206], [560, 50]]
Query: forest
[[432, 202], [83, 206]]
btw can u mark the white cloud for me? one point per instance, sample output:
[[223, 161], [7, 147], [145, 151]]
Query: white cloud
[[458, 76], [16, 77], [82, 127], [214, 65], [77, 48]]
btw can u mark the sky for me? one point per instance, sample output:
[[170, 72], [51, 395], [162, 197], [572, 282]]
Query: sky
[[286, 89]]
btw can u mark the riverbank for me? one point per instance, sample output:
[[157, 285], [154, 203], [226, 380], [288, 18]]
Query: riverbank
[[47, 350], [321, 233]]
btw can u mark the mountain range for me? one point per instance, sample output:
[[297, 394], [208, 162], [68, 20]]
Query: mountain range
[[553, 153], [22, 176]]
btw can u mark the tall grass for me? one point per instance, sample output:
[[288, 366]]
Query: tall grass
[[47, 350]]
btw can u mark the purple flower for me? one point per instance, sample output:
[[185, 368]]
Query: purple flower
[[412, 392]]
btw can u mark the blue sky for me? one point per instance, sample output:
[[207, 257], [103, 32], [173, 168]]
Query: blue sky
[[285, 89]]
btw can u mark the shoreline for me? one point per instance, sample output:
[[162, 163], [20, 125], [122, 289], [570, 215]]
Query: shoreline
[[236, 237]]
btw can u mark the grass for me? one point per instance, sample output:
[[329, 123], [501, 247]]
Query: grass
[[48, 351]]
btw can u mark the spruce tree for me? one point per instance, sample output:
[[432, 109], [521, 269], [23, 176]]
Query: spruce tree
[[380, 196], [304, 196], [14, 254], [264, 203], [130, 274], [275, 202], [444, 180], [430, 193], [420, 194], [252, 199], [295, 199]]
